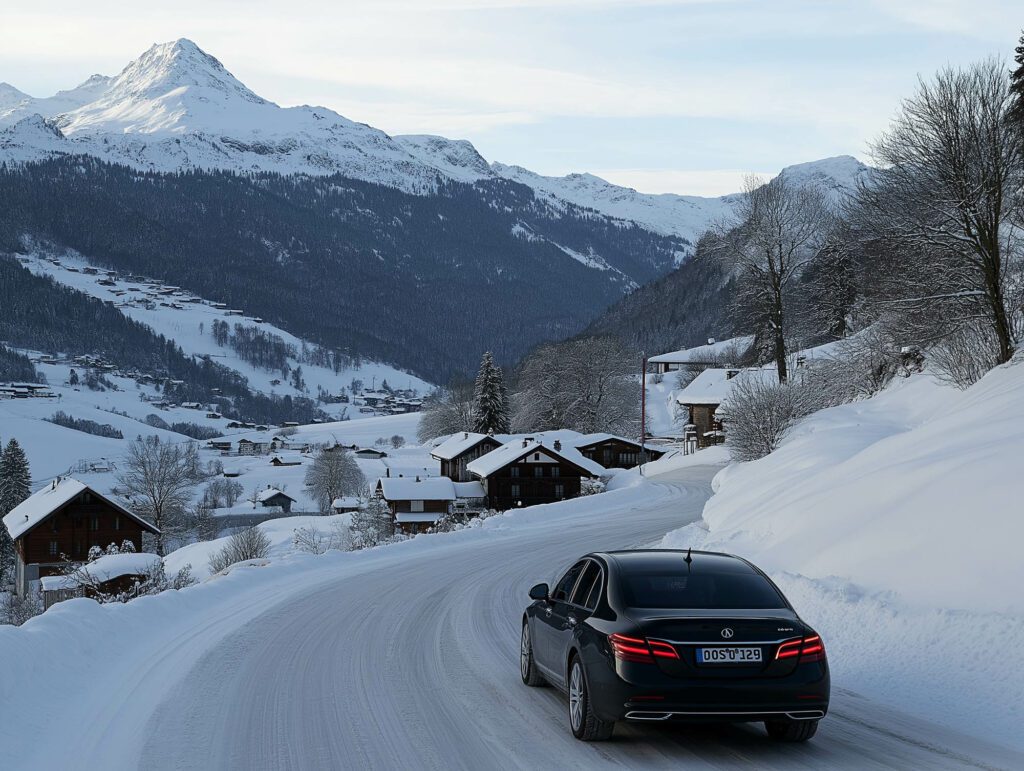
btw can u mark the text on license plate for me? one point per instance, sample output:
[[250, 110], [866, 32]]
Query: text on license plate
[[728, 655]]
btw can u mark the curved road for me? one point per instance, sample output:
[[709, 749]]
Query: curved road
[[416, 666]]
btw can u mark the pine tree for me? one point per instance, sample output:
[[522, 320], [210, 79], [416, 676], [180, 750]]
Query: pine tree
[[15, 486], [1017, 87], [492, 412]]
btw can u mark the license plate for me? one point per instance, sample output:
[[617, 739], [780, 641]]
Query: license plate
[[720, 655]]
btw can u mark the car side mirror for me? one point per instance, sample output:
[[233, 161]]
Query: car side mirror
[[539, 592]]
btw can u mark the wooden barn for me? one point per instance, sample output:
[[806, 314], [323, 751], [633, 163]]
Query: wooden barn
[[616, 451], [65, 519], [458, 451], [526, 472], [273, 497]]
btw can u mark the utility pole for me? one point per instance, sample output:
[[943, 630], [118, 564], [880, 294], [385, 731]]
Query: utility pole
[[643, 410]]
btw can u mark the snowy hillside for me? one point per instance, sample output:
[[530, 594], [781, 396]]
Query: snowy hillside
[[898, 513], [178, 107], [188, 320]]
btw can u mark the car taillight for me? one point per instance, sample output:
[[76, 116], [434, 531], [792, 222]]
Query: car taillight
[[809, 648], [640, 651]]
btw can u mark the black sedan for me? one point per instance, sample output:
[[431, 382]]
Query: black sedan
[[657, 635]]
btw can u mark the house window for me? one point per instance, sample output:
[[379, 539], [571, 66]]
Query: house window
[[53, 548], [515, 491], [538, 471], [94, 523], [536, 456], [627, 459], [559, 491], [117, 523], [514, 471], [416, 506], [556, 471]]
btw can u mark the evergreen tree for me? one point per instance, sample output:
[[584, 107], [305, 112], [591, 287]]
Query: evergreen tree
[[15, 486], [1017, 87], [492, 412]]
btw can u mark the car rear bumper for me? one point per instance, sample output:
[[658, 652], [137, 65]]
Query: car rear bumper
[[648, 695]]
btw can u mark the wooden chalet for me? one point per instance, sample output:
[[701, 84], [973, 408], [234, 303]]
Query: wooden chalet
[[459, 450], [416, 503], [65, 519], [526, 472], [616, 451], [701, 356], [273, 497], [369, 453], [277, 461], [706, 393]]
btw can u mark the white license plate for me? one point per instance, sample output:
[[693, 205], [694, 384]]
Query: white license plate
[[728, 655]]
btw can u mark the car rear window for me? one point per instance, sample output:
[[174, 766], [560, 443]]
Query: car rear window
[[727, 591]]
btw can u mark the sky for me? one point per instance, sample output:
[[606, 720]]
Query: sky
[[683, 96]]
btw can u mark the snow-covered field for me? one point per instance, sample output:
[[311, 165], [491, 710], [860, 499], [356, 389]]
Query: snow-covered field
[[893, 524]]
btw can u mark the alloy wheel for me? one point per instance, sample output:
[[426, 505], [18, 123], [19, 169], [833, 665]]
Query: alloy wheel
[[576, 696]]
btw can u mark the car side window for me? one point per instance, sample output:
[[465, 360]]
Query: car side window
[[567, 582], [591, 574]]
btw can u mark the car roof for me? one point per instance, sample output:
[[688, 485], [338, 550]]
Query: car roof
[[673, 559]]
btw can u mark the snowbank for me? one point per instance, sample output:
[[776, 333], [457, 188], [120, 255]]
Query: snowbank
[[894, 525]]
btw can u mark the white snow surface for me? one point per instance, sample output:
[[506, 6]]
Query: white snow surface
[[255, 667], [177, 107], [418, 489], [894, 526]]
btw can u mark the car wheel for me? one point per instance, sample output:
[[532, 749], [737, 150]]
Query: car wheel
[[791, 730], [585, 725], [527, 668]]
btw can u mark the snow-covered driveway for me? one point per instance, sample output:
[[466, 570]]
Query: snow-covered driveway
[[412, 663]]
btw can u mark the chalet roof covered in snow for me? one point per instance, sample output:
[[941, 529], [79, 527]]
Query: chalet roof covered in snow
[[512, 451], [589, 439], [346, 502], [713, 386], [474, 489], [42, 503], [271, 492], [106, 568], [456, 444], [417, 489], [700, 353]]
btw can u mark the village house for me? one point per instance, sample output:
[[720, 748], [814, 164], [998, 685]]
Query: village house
[[526, 472], [616, 451], [65, 519], [456, 452], [701, 356], [111, 574], [273, 497], [416, 503], [277, 461], [369, 453], [346, 504], [706, 393]]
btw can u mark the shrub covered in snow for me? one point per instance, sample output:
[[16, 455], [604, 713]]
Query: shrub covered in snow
[[248, 544]]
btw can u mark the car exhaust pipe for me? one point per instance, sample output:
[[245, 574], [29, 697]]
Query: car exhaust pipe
[[806, 714], [643, 715]]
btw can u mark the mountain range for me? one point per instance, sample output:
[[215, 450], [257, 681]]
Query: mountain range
[[507, 229]]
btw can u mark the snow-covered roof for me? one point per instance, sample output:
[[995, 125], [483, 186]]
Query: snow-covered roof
[[346, 502], [270, 492], [512, 451], [474, 489], [42, 503], [713, 386], [703, 352], [421, 489], [588, 439], [456, 444], [106, 568]]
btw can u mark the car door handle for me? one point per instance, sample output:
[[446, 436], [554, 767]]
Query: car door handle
[[548, 611], [572, 621]]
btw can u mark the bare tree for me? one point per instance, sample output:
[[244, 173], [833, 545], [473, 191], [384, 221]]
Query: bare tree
[[951, 170], [333, 474], [158, 478], [447, 411], [372, 524], [590, 384], [759, 412], [783, 226]]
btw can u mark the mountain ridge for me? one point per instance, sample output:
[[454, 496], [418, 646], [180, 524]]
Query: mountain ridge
[[177, 107]]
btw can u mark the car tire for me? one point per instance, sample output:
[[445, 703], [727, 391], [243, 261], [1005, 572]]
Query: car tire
[[585, 725], [527, 666], [791, 730]]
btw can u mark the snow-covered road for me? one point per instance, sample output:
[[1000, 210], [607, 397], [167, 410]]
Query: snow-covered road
[[413, 663]]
